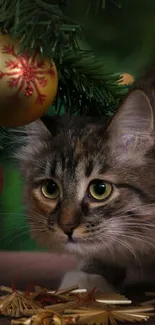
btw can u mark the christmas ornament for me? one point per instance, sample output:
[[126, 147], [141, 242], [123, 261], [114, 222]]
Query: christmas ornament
[[28, 84], [15, 304], [79, 307], [110, 315], [126, 79]]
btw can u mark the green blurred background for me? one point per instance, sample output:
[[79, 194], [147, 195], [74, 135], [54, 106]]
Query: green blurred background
[[126, 39]]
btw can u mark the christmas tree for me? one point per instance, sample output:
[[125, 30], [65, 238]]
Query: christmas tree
[[86, 85]]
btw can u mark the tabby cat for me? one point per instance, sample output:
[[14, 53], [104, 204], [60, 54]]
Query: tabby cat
[[90, 191]]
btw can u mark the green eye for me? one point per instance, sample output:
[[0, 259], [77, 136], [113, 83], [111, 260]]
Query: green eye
[[50, 190], [100, 190]]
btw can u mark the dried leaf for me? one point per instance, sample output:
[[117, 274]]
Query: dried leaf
[[21, 321], [46, 318]]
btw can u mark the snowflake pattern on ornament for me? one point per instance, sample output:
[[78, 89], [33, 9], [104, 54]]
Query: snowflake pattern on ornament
[[26, 73]]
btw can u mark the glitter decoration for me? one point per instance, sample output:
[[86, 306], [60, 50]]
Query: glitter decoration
[[28, 83]]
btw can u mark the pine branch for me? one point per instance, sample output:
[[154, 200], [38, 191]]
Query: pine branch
[[84, 84], [40, 24], [83, 81], [98, 5]]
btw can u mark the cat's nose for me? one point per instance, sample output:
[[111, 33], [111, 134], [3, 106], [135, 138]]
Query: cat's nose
[[69, 219], [67, 229]]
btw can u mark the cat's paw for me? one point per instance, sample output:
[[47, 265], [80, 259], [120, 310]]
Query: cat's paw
[[85, 281]]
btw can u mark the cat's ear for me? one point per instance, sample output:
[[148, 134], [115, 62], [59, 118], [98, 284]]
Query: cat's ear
[[133, 125], [38, 135], [42, 129]]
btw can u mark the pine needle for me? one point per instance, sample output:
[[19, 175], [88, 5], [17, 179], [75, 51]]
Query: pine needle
[[85, 85]]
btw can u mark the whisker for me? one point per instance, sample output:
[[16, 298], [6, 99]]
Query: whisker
[[150, 205], [140, 238], [14, 238]]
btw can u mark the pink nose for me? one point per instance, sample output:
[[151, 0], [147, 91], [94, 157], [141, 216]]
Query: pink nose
[[68, 219], [68, 229]]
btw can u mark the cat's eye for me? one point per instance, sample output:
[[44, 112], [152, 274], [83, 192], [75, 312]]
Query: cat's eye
[[100, 190], [50, 190]]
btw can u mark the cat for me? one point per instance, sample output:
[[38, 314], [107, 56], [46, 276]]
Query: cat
[[90, 191]]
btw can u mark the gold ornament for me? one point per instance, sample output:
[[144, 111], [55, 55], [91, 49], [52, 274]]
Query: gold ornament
[[28, 84]]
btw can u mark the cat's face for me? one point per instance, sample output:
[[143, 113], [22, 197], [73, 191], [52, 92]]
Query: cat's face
[[90, 189]]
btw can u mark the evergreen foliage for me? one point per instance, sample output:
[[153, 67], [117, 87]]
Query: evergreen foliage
[[86, 86]]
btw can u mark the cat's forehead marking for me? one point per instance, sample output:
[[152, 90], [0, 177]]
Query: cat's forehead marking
[[48, 168], [77, 152], [78, 147], [89, 167], [53, 168]]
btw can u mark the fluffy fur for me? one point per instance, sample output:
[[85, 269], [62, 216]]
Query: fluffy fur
[[112, 237]]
